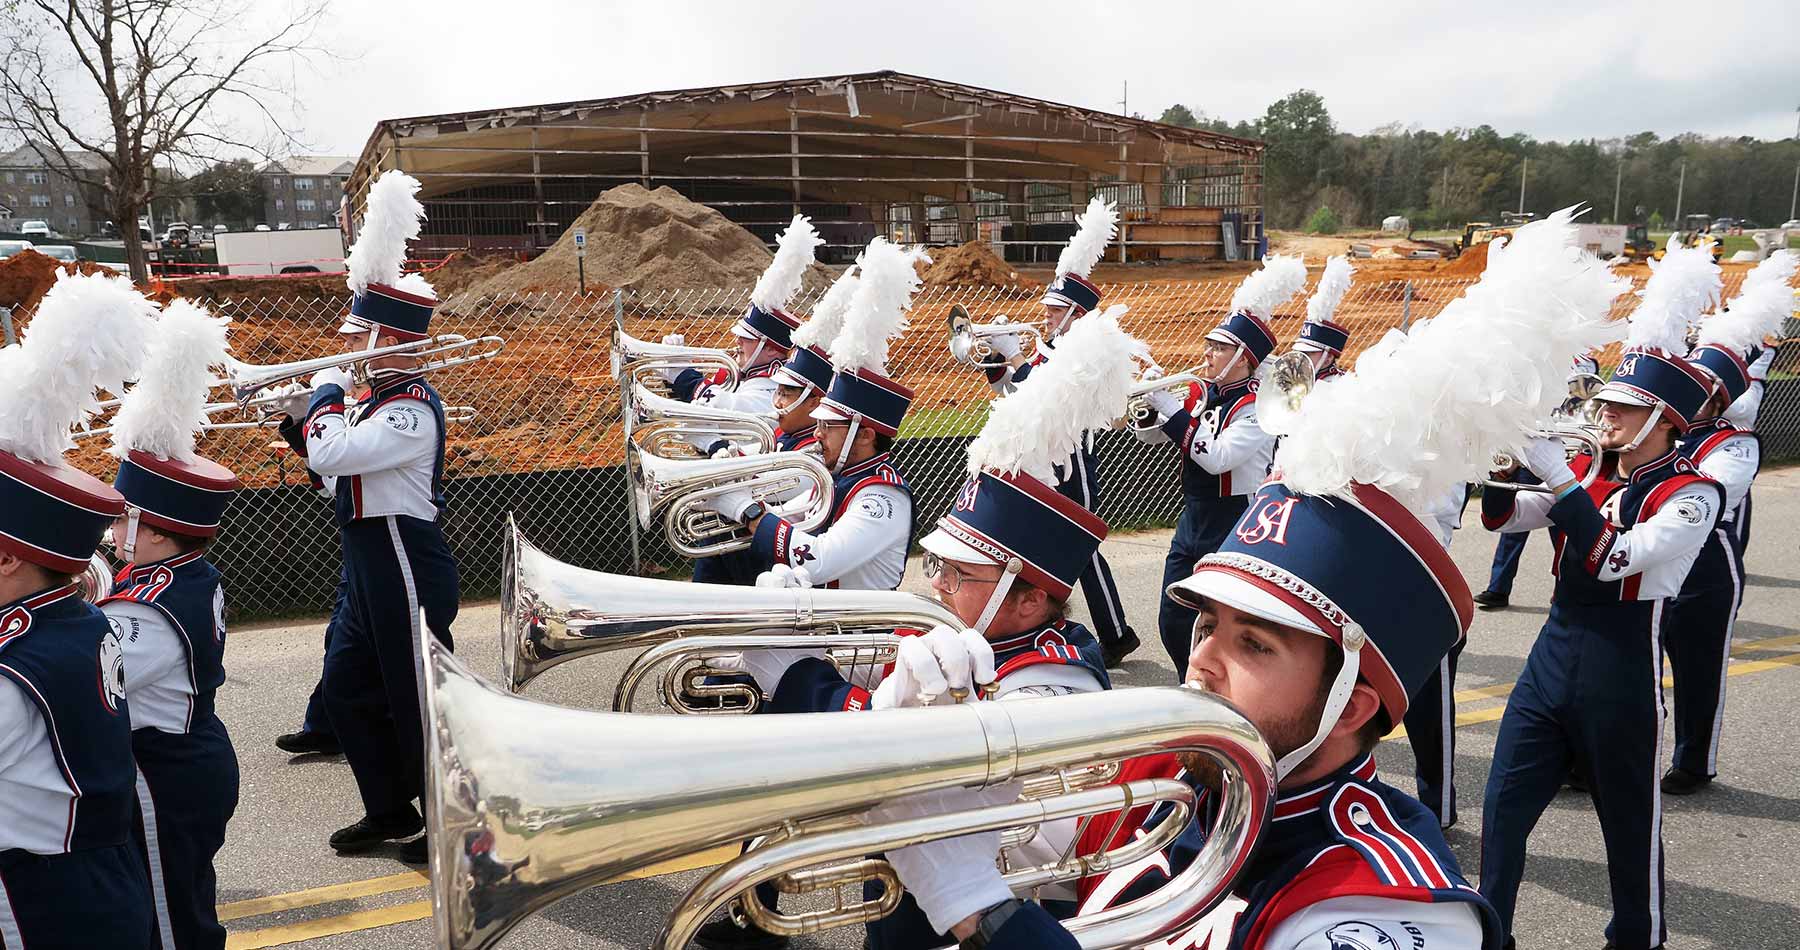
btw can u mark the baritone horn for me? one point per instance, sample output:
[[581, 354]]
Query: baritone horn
[[642, 360], [672, 429], [793, 485], [528, 803], [1286, 382], [969, 341]]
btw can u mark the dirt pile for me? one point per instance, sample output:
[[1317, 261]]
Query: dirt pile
[[463, 270], [972, 264], [649, 241], [26, 276]]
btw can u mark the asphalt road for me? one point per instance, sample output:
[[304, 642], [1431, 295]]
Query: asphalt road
[[1733, 875]]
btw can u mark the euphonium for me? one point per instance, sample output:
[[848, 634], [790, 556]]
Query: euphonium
[[794, 485], [641, 360], [551, 612], [1286, 381], [527, 803], [670, 428]]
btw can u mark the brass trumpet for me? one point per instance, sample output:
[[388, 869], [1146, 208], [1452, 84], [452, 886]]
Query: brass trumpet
[[527, 803], [794, 485], [672, 429], [974, 348]]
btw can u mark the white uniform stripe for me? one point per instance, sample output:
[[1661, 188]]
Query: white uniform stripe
[[1655, 863], [1446, 740], [412, 606], [159, 892], [1737, 593], [9, 924], [1107, 593]]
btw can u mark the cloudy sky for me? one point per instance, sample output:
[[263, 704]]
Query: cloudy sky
[[1552, 70]]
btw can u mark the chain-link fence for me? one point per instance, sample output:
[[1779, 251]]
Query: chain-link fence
[[546, 444]]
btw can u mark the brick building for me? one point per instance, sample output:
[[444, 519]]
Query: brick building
[[302, 191]]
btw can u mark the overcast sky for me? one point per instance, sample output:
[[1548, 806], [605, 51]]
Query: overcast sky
[[1552, 70]]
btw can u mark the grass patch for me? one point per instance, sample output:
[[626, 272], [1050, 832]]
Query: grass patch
[[930, 423], [1729, 244]]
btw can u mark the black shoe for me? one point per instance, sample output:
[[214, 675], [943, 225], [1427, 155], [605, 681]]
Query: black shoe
[[307, 742], [724, 934], [369, 832], [1683, 782], [1116, 651], [1577, 782], [1488, 600], [417, 851]]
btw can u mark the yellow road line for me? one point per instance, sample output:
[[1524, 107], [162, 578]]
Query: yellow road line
[[328, 926], [322, 895]]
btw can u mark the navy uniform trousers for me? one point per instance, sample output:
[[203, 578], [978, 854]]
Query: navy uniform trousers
[[192, 784], [1202, 528], [1105, 609], [396, 564], [1699, 626], [1508, 549], [1431, 730], [318, 718], [1590, 698]]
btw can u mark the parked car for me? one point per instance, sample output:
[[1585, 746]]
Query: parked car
[[219, 229], [9, 248], [178, 234], [261, 227], [39, 228], [1791, 224], [62, 252]]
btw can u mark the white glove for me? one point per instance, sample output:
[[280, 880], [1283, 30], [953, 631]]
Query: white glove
[[766, 667], [674, 339], [732, 504], [955, 877], [930, 666], [1549, 461], [961, 349], [1164, 402], [333, 376], [783, 576], [1006, 346], [291, 400], [727, 451], [668, 373]]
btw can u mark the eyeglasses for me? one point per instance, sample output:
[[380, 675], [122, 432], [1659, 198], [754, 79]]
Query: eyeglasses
[[935, 565]]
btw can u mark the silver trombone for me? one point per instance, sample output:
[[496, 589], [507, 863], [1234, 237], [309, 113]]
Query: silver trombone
[[247, 379], [794, 485], [528, 803], [975, 348], [451, 414]]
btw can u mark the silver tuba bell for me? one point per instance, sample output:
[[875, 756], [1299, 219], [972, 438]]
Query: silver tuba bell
[[1286, 381], [528, 803]]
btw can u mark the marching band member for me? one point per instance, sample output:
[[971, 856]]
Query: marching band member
[[1004, 559], [1299, 627], [1069, 296], [1224, 452], [1590, 697], [387, 456], [1321, 338], [169, 609], [863, 544], [70, 875], [802, 380], [1699, 621], [1742, 413]]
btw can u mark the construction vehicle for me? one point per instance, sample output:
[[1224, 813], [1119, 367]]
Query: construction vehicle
[[1638, 246], [1476, 232]]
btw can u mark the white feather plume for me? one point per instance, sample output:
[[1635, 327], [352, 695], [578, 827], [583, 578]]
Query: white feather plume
[[1429, 409], [1280, 278], [1333, 285], [391, 222], [1094, 229], [167, 406], [1683, 285], [780, 281], [91, 331], [878, 306], [415, 284], [1764, 301], [1037, 427], [827, 319]]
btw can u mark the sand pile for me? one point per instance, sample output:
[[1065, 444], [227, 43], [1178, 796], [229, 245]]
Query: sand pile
[[649, 241], [26, 276], [972, 264], [463, 270]]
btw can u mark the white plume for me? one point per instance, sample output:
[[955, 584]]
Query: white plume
[[793, 255], [1094, 229], [1333, 285], [878, 306], [1429, 409], [415, 284], [827, 319], [1764, 301], [167, 406], [390, 222], [1264, 290], [1683, 285], [1037, 427], [91, 331]]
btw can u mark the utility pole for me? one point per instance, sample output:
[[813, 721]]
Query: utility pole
[[1794, 202], [1523, 174], [1124, 97], [1618, 179], [1680, 186]]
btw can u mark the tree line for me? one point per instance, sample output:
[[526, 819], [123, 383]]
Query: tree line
[[1442, 179]]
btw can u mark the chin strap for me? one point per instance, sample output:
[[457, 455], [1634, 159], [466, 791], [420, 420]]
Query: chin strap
[[1656, 414], [1219, 377], [844, 450], [128, 547], [998, 597], [756, 354], [1334, 702]]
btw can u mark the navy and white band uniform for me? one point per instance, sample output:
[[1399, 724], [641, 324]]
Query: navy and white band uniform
[[386, 455], [1225, 455], [70, 874], [169, 612], [1066, 301], [1742, 413], [1700, 619], [1591, 692]]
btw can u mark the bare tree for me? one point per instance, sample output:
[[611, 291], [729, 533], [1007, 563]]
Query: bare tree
[[146, 85]]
